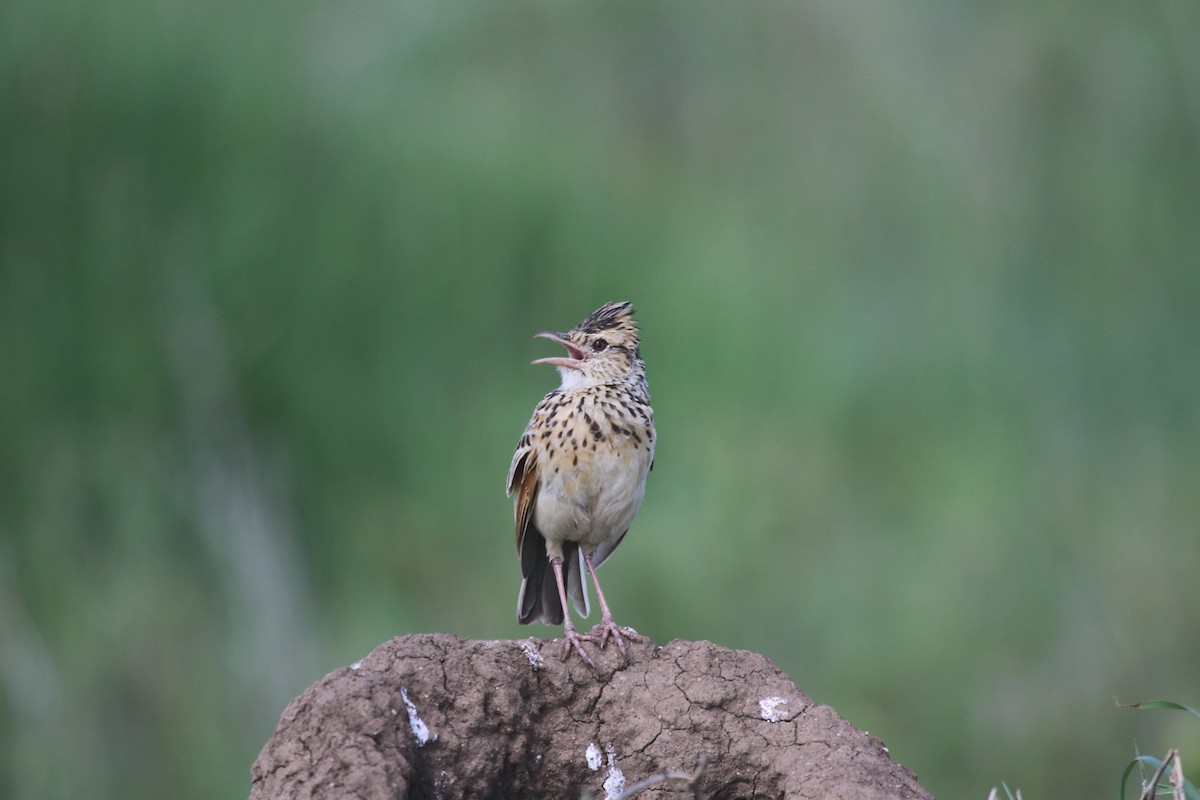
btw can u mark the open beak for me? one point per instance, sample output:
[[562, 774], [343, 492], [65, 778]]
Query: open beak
[[575, 355]]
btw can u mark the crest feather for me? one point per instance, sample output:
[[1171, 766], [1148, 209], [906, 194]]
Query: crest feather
[[615, 315]]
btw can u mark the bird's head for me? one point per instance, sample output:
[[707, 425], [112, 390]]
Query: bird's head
[[602, 349]]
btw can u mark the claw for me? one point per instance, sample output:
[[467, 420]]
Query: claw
[[573, 639], [608, 628]]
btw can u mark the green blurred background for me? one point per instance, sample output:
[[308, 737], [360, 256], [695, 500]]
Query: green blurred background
[[919, 287]]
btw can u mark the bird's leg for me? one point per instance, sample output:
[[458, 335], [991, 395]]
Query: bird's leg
[[570, 636], [607, 626]]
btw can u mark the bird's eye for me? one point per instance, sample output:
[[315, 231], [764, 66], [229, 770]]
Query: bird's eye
[[600, 345]]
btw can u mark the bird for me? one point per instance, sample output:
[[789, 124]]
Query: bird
[[579, 473]]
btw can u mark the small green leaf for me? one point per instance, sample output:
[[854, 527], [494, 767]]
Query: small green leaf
[[1154, 763], [1167, 704]]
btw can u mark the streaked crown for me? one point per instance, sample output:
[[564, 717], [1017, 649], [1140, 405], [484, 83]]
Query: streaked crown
[[612, 322]]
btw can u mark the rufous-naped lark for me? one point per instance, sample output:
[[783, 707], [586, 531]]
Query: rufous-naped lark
[[580, 470]]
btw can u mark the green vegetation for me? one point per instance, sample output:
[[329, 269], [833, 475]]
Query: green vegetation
[[1167, 776], [919, 286]]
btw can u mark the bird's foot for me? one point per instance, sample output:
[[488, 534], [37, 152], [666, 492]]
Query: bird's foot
[[607, 628], [573, 640]]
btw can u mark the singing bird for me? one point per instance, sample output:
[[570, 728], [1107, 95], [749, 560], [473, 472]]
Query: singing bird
[[579, 473]]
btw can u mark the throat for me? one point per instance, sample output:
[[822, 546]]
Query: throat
[[573, 379]]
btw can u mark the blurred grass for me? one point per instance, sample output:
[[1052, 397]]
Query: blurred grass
[[919, 290]]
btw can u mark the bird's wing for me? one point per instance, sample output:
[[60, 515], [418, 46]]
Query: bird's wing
[[522, 480], [605, 549]]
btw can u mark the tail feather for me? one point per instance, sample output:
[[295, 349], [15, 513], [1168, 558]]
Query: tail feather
[[538, 599], [531, 605], [529, 601], [575, 574]]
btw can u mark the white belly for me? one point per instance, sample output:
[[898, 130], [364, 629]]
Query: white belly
[[592, 501]]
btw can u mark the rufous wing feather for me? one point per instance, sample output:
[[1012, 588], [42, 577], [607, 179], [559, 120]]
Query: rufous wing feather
[[522, 480]]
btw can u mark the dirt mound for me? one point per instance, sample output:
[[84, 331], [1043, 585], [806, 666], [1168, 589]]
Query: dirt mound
[[435, 716]]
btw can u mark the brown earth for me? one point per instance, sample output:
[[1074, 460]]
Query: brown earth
[[435, 716]]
